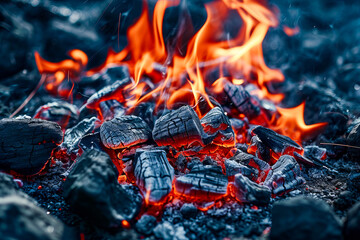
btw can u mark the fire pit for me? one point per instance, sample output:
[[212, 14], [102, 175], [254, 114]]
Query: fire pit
[[177, 119]]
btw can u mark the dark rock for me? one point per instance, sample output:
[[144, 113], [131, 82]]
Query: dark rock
[[146, 224], [304, 218], [154, 174], [124, 132], [20, 217], [26, 144], [248, 191], [352, 222], [93, 192], [188, 210]]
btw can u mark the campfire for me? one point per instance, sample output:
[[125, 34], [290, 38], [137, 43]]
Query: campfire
[[179, 132]]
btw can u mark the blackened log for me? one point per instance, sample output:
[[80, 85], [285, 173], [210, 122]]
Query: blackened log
[[26, 144], [153, 174], [65, 114], [217, 125], [242, 100], [276, 142], [93, 192], [284, 175], [73, 135], [248, 191], [204, 183], [178, 128], [124, 132], [113, 91]]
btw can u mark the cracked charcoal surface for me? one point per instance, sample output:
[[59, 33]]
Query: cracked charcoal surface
[[124, 132], [92, 190], [203, 183], [26, 144], [247, 191], [284, 175], [154, 174], [242, 100], [178, 128], [217, 124]]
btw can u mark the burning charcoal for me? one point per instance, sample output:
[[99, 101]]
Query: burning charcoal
[[124, 132], [206, 183], [145, 110], [111, 109], [73, 135], [284, 175], [20, 218], [276, 142], [239, 127], [26, 144], [260, 150], [304, 218], [315, 152], [65, 114], [178, 128], [153, 174], [250, 192], [217, 125], [242, 100], [91, 141], [181, 163], [258, 168], [352, 222], [146, 224], [209, 161], [111, 92], [93, 192], [233, 168]]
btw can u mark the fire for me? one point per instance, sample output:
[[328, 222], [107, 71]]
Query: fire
[[291, 123]]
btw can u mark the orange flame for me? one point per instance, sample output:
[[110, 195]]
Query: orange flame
[[291, 123]]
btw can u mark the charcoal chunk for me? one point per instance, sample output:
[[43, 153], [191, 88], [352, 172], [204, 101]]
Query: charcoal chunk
[[146, 224], [250, 192], [188, 210], [352, 223], [92, 190], [304, 218], [73, 135], [154, 174], [204, 183], [111, 92], [217, 125], [111, 109], [9, 187], [233, 168], [178, 128], [276, 142], [26, 144], [354, 181], [353, 139], [20, 218], [124, 132], [284, 175], [65, 114], [242, 100]]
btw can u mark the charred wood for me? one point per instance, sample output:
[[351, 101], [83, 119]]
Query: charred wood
[[154, 174], [124, 132], [26, 144]]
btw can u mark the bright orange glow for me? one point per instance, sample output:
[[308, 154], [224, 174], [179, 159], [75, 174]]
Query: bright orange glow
[[291, 123], [291, 31], [125, 224]]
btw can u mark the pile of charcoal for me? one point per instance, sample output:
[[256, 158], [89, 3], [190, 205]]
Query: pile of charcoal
[[90, 168]]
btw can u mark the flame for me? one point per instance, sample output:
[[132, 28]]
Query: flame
[[291, 31], [291, 123]]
